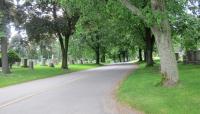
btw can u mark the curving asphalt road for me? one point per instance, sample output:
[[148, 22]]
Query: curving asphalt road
[[84, 92]]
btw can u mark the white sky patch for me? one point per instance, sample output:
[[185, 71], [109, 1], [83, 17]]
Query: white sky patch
[[189, 11], [13, 31], [60, 13], [20, 2]]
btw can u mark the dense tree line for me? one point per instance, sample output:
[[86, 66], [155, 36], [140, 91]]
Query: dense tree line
[[104, 30]]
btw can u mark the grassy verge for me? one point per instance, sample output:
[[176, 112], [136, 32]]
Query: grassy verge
[[140, 92], [20, 75]]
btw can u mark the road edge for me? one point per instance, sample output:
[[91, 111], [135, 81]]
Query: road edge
[[113, 105]]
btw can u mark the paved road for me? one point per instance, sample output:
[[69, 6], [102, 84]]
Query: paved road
[[84, 92]]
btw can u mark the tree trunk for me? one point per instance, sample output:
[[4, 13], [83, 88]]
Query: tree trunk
[[64, 61], [119, 56], [162, 33], [64, 57], [127, 58], [145, 55], [114, 58], [66, 50], [124, 56], [64, 54], [97, 56], [63, 44], [97, 50], [103, 57], [4, 46], [167, 58], [140, 55], [149, 47], [10, 66]]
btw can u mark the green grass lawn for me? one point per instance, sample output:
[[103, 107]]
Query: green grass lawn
[[20, 75], [139, 91]]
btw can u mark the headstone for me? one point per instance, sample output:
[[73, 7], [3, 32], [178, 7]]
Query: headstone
[[22, 62], [31, 65], [189, 56], [185, 60], [73, 62], [86, 61], [56, 61], [81, 61], [18, 63], [198, 55], [177, 56], [35, 61], [43, 62], [25, 63], [51, 64], [193, 57]]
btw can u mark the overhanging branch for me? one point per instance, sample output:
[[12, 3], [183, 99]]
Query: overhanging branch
[[132, 8]]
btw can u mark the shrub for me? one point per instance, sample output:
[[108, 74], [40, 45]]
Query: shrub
[[13, 57]]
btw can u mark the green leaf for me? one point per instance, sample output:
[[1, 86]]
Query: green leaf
[[2, 34]]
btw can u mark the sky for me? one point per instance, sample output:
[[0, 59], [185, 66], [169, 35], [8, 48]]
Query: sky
[[20, 2], [12, 29]]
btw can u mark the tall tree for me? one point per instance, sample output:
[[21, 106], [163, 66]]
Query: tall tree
[[149, 45], [162, 32], [53, 19], [67, 31], [5, 19], [93, 26]]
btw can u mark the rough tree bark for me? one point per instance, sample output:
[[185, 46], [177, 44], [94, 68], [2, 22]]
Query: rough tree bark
[[162, 33], [145, 55], [62, 42], [97, 52], [4, 59], [64, 36], [103, 58], [5, 10], [114, 58], [127, 56], [149, 47], [67, 36], [64, 64], [140, 55], [123, 55], [64, 48], [120, 58], [103, 55]]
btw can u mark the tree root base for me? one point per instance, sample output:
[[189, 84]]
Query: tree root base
[[167, 83]]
